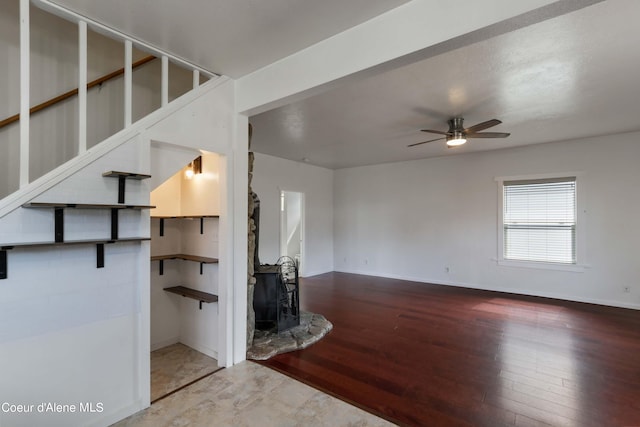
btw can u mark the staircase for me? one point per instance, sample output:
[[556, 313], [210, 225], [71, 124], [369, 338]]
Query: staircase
[[68, 123], [74, 250]]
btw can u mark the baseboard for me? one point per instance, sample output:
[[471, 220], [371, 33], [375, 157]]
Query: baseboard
[[165, 343], [315, 273], [109, 418], [534, 293], [201, 348]]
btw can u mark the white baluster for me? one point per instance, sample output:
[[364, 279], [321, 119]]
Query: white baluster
[[128, 82], [82, 87], [25, 77], [165, 81], [196, 78]]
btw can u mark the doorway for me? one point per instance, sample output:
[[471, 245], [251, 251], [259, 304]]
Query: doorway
[[185, 325], [292, 227]]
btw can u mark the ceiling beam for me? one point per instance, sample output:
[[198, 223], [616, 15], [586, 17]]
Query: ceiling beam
[[414, 31]]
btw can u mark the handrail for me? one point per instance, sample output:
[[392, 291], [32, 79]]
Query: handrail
[[74, 92]]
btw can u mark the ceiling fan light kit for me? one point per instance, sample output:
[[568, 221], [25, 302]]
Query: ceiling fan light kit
[[456, 139], [458, 135]]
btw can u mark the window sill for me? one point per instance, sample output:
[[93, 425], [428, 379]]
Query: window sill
[[577, 268]]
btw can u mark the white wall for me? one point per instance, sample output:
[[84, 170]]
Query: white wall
[[270, 176], [174, 318], [411, 220], [200, 195], [72, 333]]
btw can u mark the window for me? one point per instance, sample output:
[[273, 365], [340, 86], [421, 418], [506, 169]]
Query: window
[[539, 220]]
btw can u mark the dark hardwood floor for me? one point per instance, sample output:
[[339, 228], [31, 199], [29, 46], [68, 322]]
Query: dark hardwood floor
[[428, 355]]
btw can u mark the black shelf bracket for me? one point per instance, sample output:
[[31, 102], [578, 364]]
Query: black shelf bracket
[[122, 179], [161, 227], [161, 266], [201, 267], [100, 255], [201, 225], [201, 304], [114, 224], [3, 264], [58, 216]]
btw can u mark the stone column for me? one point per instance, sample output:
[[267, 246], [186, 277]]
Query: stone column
[[251, 242]]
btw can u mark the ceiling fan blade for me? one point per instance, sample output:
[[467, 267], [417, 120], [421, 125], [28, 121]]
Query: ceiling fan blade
[[488, 135], [483, 126], [439, 132], [424, 142]]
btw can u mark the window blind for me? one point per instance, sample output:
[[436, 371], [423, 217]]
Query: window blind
[[540, 220]]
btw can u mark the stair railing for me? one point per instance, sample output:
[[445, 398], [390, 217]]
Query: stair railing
[[84, 22], [62, 97]]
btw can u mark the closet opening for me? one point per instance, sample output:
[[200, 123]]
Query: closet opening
[[185, 327]]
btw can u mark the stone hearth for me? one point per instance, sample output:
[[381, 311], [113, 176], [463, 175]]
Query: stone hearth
[[267, 344]]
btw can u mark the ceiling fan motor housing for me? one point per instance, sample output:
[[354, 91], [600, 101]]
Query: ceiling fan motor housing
[[455, 124]]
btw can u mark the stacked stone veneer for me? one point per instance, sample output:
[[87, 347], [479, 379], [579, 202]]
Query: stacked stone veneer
[[268, 343], [251, 242]]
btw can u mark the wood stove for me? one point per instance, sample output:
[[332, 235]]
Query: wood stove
[[276, 299]]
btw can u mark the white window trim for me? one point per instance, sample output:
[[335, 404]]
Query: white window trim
[[581, 224]]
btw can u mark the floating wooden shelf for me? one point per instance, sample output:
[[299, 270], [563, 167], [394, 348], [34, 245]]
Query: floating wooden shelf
[[200, 217], [58, 217], [203, 297], [53, 205], [128, 175], [196, 258], [4, 247], [201, 259], [185, 216], [58, 209]]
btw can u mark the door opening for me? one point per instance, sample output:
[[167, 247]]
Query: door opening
[[292, 227]]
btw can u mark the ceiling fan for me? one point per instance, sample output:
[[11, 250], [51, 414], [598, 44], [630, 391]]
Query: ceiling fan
[[458, 135]]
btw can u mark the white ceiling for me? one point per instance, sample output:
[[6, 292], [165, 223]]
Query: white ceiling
[[231, 37], [569, 77]]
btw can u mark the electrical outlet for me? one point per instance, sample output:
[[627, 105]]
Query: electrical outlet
[[627, 289]]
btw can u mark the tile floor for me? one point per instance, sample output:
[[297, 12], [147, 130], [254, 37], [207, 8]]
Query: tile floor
[[247, 395], [175, 366]]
